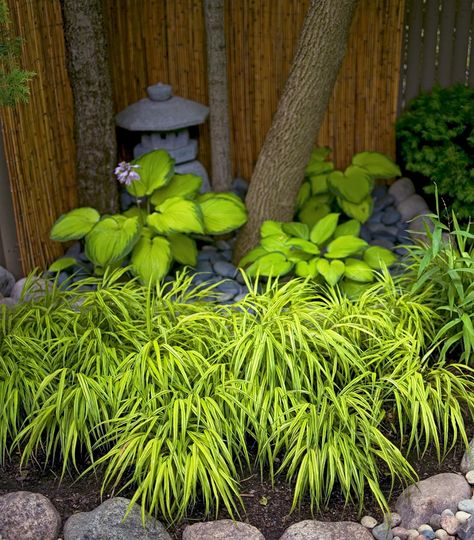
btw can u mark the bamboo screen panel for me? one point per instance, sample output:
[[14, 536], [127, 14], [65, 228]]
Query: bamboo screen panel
[[38, 136], [164, 40], [438, 46]]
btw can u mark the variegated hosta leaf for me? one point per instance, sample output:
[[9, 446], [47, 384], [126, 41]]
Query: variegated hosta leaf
[[112, 239], [344, 246], [271, 264], [75, 224], [270, 228], [222, 214], [304, 245], [183, 249], [324, 229], [376, 164], [294, 228], [275, 242], [151, 259], [186, 186], [135, 211], [349, 228], [307, 268], [252, 256], [155, 169], [177, 215], [61, 264], [332, 271], [361, 211], [358, 270], [376, 257]]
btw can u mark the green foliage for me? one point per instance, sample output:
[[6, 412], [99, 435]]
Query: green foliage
[[326, 252], [323, 187], [13, 80], [443, 264], [152, 234], [164, 394], [435, 138]]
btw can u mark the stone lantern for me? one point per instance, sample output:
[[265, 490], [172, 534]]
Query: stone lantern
[[164, 120]]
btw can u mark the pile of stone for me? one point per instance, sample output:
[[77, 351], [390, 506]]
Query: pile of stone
[[11, 290]]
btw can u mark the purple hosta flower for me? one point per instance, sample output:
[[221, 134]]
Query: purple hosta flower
[[125, 173]]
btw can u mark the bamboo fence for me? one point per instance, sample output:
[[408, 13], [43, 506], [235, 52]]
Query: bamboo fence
[[164, 40]]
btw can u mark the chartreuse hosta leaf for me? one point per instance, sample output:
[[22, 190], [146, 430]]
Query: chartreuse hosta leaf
[[62, 264], [304, 194], [112, 239], [183, 249], [361, 211], [354, 185], [358, 270], [313, 210], [332, 271], [222, 213], [319, 184], [271, 264], [376, 164], [177, 215], [304, 245], [275, 242], [349, 228], [75, 224], [155, 169], [376, 257], [324, 229], [307, 268], [344, 246], [252, 256], [270, 228], [135, 211], [151, 259], [294, 228], [181, 185], [317, 162]]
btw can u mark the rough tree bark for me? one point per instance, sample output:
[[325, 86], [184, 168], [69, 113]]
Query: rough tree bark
[[94, 124], [287, 147], [218, 97]]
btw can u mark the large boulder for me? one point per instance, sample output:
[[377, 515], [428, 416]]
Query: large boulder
[[467, 463], [420, 501], [326, 530], [106, 522], [401, 189], [223, 529], [412, 207], [6, 282], [28, 516]]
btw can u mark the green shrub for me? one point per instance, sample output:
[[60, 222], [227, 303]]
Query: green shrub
[[165, 394], [155, 232], [435, 138]]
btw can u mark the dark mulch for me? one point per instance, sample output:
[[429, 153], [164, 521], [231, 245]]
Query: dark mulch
[[266, 507]]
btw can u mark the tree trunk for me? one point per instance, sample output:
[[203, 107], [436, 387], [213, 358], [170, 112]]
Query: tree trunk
[[94, 123], [218, 98], [291, 137]]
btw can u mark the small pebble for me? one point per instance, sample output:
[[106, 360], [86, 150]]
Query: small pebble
[[412, 534], [425, 527], [428, 535], [441, 534], [395, 519], [466, 505], [369, 522], [435, 521], [382, 532], [470, 477], [450, 524], [396, 538], [462, 517], [401, 532], [448, 512]]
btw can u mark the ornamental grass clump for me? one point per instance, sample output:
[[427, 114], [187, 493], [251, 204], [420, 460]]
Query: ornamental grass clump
[[176, 398]]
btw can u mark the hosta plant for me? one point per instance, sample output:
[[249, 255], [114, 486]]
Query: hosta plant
[[327, 251], [351, 190], [158, 229]]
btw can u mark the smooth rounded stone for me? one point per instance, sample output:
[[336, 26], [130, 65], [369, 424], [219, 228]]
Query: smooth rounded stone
[[383, 242], [368, 522], [425, 527], [435, 521], [28, 516], [396, 538], [204, 266], [7, 281], [467, 462], [9, 302], [223, 529], [466, 530], [126, 200], [419, 225], [383, 202], [225, 269], [240, 297], [227, 255], [401, 532], [441, 534], [391, 216], [379, 191], [376, 217], [401, 189], [365, 234], [229, 286], [240, 187], [420, 501], [428, 535], [222, 245], [36, 289], [462, 516], [466, 505], [74, 250], [106, 522], [205, 255], [470, 477], [379, 229], [412, 534], [395, 519], [450, 524], [325, 530], [447, 512], [240, 278], [412, 206]]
